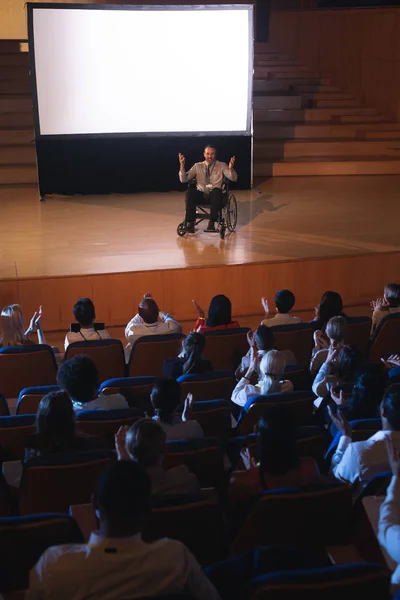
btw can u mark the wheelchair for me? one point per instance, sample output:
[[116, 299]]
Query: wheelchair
[[227, 215]]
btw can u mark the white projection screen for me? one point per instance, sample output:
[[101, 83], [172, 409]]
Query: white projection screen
[[103, 70]]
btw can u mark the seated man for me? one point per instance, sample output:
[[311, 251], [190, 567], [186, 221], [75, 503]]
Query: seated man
[[147, 322], [85, 315], [209, 179], [284, 302], [359, 462], [116, 563], [79, 378]]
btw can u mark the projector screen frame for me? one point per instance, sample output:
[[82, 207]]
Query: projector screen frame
[[31, 6]]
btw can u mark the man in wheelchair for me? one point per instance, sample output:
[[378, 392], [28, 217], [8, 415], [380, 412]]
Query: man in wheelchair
[[209, 176]]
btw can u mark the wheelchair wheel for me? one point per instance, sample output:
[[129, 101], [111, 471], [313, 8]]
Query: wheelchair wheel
[[231, 212], [181, 229]]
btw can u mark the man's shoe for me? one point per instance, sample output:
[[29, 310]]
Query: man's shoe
[[190, 228], [211, 227]]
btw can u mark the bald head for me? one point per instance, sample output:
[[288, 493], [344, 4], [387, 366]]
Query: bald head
[[148, 310]]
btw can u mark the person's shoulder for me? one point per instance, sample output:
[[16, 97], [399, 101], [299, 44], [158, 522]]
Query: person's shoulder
[[55, 555]]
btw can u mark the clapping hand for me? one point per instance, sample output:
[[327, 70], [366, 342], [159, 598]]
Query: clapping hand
[[247, 459], [187, 409], [36, 319], [340, 421], [392, 361], [232, 163], [378, 304], [120, 439], [250, 338], [199, 310], [147, 295], [320, 341], [332, 354]]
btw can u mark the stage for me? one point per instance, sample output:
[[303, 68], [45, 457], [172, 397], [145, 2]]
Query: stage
[[308, 234]]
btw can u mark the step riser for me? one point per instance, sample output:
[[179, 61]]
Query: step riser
[[259, 62], [293, 82], [14, 73], [281, 102], [18, 176], [332, 149], [327, 169], [306, 77], [312, 114], [16, 136], [10, 105], [262, 85], [336, 103], [325, 132], [316, 89], [271, 72], [15, 87], [16, 120], [11, 155], [9, 46], [270, 56], [14, 60]]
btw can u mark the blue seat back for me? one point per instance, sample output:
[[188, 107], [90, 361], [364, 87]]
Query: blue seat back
[[208, 386], [358, 332], [203, 456], [14, 434], [102, 425], [297, 338], [29, 398], [136, 390]]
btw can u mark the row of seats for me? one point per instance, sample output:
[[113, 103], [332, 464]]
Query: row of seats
[[22, 367]]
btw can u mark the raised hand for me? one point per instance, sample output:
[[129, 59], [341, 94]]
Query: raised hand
[[392, 361], [187, 409], [232, 163], [340, 421], [199, 310], [120, 447], [147, 295], [378, 304], [264, 303], [319, 340], [332, 354], [250, 338], [181, 161]]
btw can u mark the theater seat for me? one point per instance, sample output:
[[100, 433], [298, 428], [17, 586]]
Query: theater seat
[[4, 410], [108, 356], [26, 366], [136, 390], [299, 404], [214, 417], [149, 353], [296, 338], [225, 348], [345, 582], [24, 539], [386, 339], [14, 433], [104, 424], [358, 332], [203, 457], [208, 386], [29, 398], [54, 484], [362, 429]]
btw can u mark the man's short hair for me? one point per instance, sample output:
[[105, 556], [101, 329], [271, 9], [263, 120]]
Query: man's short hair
[[264, 338], [79, 378], [391, 404], [210, 146], [148, 310], [123, 491], [84, 312], [145, 442], [284, 300]]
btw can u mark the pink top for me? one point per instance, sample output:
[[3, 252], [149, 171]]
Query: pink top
[[201, 326]]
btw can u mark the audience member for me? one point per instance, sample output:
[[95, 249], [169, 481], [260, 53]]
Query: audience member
[[271, 369], [333, 337], [279, 464], [85, 315], [263, 339], [389, 521], [190, 361], [55, 431], [150, 320], [366, 395], [166, 399], [388, 305], [219, 315], [79, 378], [342, 365], [13, 327], [331, 305], [144, 442], [359, 462], [284, 302], [116, 563]]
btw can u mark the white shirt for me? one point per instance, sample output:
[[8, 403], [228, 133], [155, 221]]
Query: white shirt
[[361, 461], [244, 390], [133, 570], [86, 334], [323, 381], [281, 319], [178, 481], [180, 430], [218, 170], [389, 525], [103, 401], [137, 328]]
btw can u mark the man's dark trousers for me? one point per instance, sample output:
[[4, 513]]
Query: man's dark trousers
[[195, 197]]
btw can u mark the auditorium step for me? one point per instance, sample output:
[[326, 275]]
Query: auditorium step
[[17, 119], [277, 101], [317, 114], [17, 59], [16, 135], [18, 174], [313, 149], [17, 154], [15, 86], [15, 103], [10, 72], [326, 166], [327, 131]]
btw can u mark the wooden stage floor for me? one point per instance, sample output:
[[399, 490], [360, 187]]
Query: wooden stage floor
[[283, 226]]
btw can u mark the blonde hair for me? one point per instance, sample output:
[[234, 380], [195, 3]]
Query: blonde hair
[[272, 367], [13, 326], [336, 329]]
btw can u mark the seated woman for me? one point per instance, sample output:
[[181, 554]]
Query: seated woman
[[166, 398], [388, 305], [331, 305], [335, 333], [85, 315], [219, 315], [271, 369], [190, 360], [264, 341], [342, 365], [144, 442], [55, 429], [279, 464], [13, 327]]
